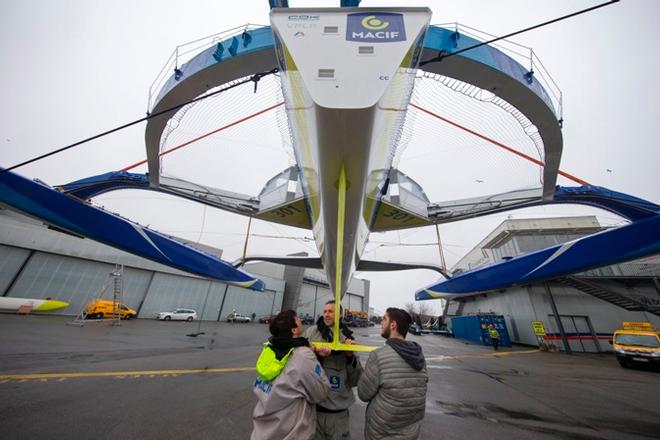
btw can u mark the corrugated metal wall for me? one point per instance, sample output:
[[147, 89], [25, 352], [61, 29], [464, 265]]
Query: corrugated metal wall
[[11, 260], [246, 303], [74, 280], [35, 274], [36, 262]]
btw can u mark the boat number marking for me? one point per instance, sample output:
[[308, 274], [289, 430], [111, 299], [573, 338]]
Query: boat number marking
[[286, 211], [398, 215]]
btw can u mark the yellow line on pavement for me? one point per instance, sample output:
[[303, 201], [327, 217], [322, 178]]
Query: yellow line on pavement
[[481, 355], [123, 374]]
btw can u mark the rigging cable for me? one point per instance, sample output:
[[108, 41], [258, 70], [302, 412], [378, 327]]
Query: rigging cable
[[205, 135], [254, 78], [499, 144], [442, 55]]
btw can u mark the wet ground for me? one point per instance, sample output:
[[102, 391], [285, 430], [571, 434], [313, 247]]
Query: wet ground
[[152, 380]]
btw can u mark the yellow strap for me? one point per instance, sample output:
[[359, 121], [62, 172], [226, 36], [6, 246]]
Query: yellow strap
[[345, 347], [341, 215]]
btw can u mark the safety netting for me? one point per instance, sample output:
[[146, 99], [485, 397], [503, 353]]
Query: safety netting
[[458, 141], [235, 140]]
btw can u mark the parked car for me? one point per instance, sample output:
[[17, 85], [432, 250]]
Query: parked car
[[235, 317], [266, 319], [102, 308], [178, 315], [352, 321]]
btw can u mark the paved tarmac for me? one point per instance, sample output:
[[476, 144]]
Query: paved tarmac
[[149, 380]]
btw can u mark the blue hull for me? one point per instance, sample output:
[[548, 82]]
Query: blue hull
[[635, 240], [78, 217]]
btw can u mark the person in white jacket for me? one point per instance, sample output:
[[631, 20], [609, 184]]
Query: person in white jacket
[[290, 382]]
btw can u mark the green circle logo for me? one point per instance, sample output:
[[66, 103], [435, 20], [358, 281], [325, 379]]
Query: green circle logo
[[375, 24]]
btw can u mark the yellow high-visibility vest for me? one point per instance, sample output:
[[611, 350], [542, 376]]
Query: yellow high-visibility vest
[[268, 367], [493, 333]]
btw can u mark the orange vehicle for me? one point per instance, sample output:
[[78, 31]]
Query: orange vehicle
[[103, 308]]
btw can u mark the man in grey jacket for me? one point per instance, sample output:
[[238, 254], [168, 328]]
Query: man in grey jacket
[[290, 382], [343, 370], [394, 383]]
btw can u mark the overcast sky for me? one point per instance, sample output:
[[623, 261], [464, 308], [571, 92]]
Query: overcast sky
[[72, 69]]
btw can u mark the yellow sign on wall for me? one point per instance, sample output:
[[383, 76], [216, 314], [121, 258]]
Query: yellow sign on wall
[[538, 328]]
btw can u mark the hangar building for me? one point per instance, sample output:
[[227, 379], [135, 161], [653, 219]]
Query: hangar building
[[580, 311], [38, 261]]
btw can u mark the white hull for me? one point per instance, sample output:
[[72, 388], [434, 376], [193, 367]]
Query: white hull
[[37, 305]]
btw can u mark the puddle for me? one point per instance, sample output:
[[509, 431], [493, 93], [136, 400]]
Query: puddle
[[521, 419]]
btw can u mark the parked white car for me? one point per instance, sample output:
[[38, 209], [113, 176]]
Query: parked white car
[[235, 317], [178, 315]]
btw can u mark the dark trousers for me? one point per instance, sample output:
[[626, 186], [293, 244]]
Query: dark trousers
[[496, 342]]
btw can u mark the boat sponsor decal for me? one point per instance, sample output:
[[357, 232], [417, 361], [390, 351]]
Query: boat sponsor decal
[[370, 27], [144, 235]]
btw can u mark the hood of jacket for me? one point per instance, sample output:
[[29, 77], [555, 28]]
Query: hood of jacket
[[411, 352], [275, 355], [281, 346]]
